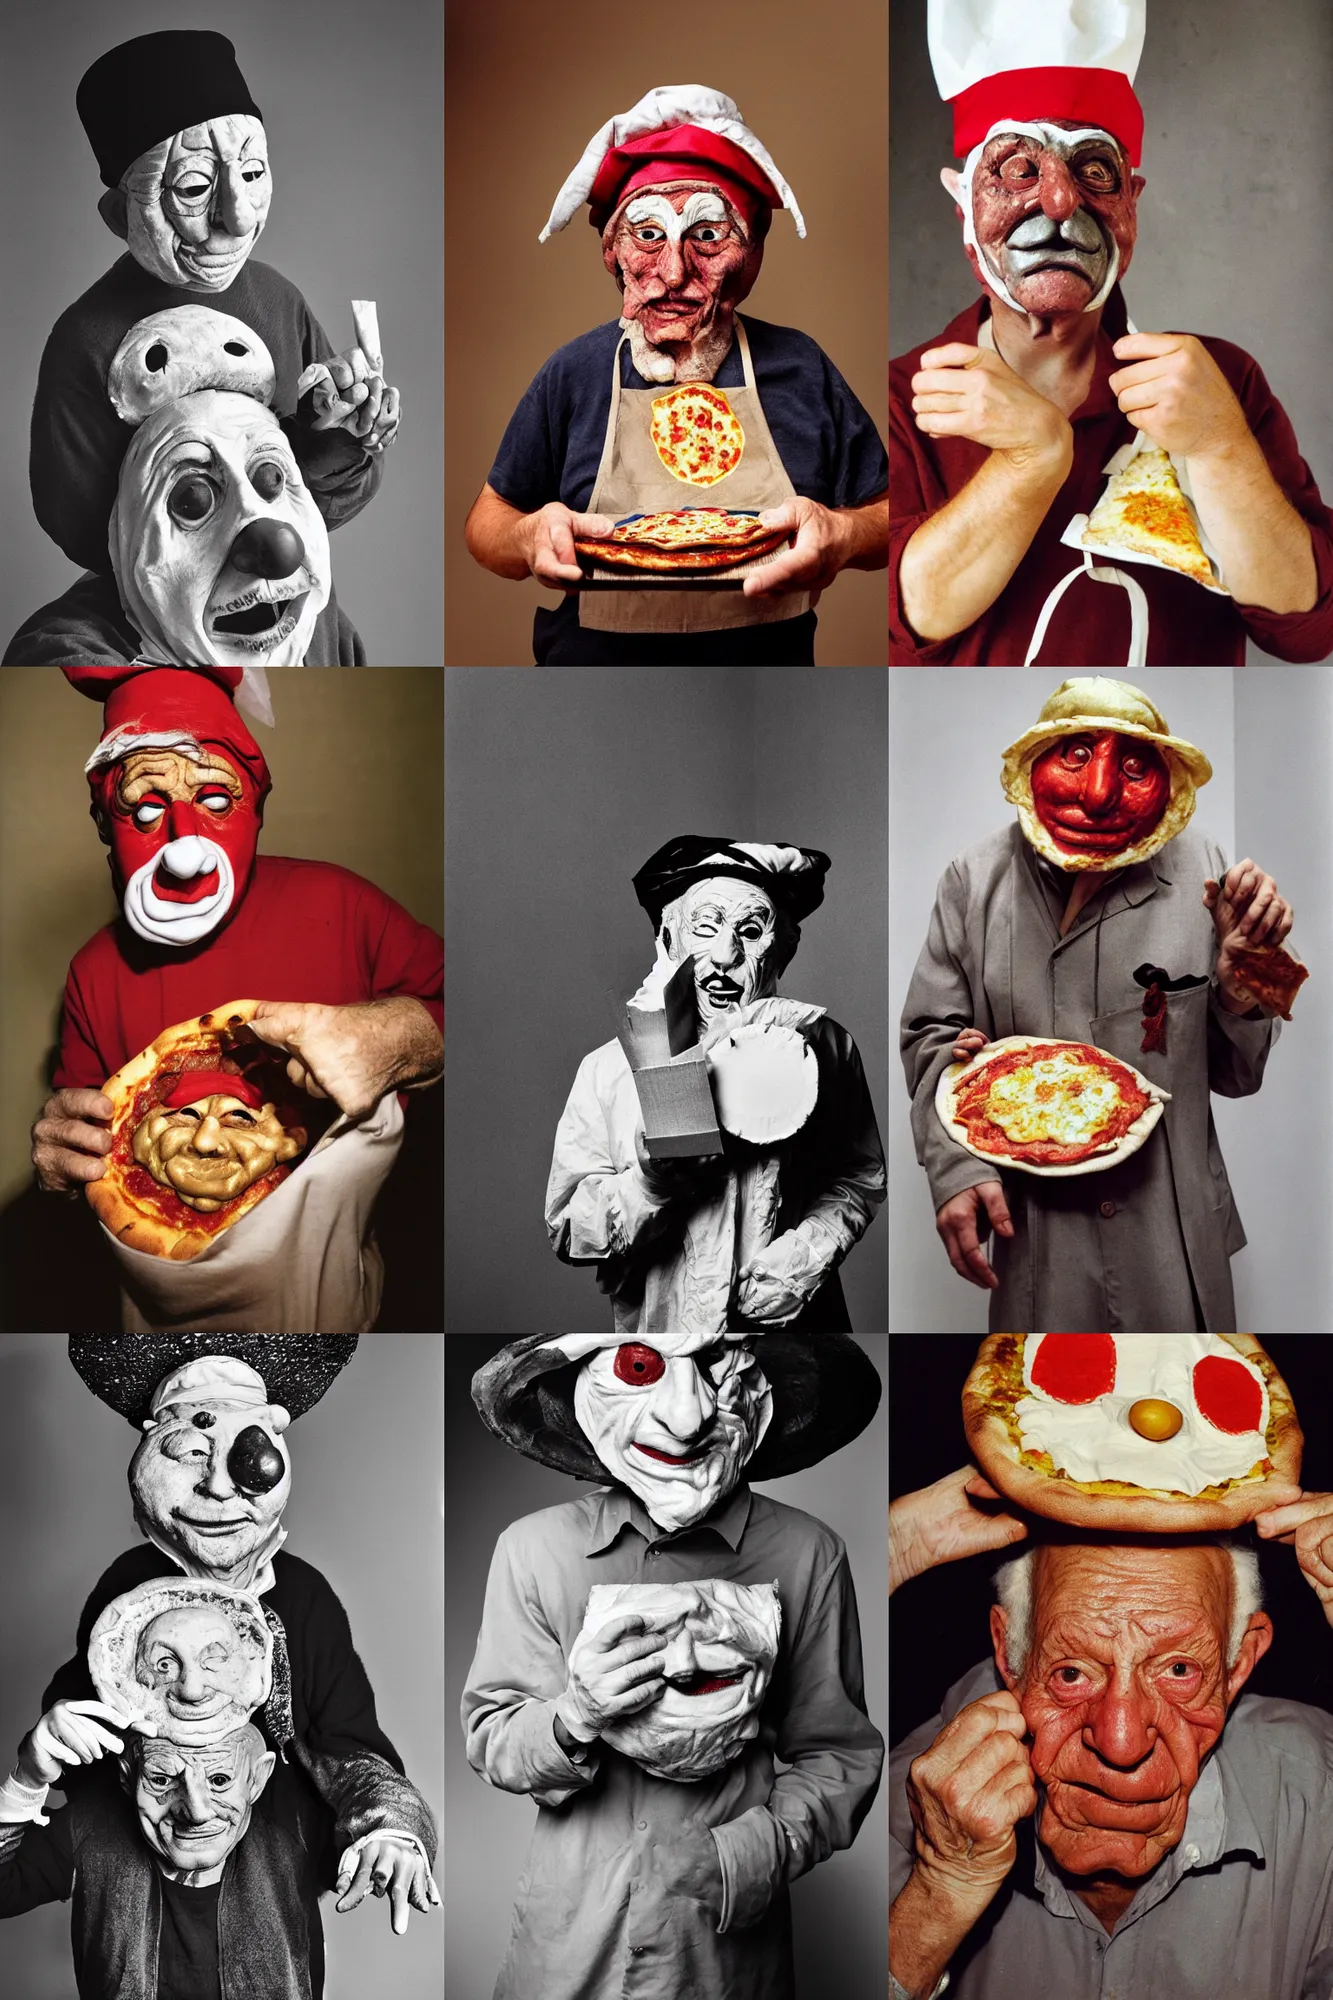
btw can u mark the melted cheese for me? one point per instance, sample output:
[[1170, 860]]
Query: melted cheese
[[1055, 1099]]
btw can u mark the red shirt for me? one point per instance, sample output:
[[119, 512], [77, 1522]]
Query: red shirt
[[1187, 626], [305, 930]]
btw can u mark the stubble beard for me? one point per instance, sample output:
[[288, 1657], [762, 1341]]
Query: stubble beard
[[696, 360]]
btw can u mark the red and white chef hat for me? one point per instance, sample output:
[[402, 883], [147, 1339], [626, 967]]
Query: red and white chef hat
[[148, 707], [677, 132], [1038, 59]]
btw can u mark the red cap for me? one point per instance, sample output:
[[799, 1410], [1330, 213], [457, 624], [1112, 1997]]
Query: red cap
[[192, 1084], [146, 701], [681, 153], [1102, 97]]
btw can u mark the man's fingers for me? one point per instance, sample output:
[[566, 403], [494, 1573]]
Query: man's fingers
[[996, 1207], [967, 1257], [1145, 346], [85, 1104], [75, 1136], [1240, 879], [939, 382], [359, 1887], [619, 1627], [953, 354], [76, 1166], [400, 1889], [1281, 1520], [592, 524], [1159, 369], [1257, 908]]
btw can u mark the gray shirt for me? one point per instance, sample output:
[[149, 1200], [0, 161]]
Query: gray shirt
[[1241, 1909]]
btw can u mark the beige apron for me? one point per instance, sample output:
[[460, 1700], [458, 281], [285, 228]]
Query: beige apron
[[632, 479]]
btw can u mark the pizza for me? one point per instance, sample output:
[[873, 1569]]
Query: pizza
[[1271, 975], [696, 433], [192, 1070], [1048, 1107], [1143, 511], [1169, 1433], [685, 539]]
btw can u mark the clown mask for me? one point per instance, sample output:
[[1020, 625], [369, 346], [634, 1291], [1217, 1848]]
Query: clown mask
[[195, 1673], [220, 554], [183, 824], [1100, 793], [721, 1643], [194, 1804], [676, 1422], [684, 260], [209, 1145], [193, 206], [732, 929]]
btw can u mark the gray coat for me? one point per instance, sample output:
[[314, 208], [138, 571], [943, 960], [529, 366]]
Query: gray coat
[[1144, 1246]]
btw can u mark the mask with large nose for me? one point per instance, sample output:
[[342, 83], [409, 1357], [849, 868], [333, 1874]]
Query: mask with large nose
[[732, 929], [192, 207], [1100, 792], [220, 555]]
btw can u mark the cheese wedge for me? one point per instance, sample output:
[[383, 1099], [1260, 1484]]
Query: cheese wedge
[[1143, 511]]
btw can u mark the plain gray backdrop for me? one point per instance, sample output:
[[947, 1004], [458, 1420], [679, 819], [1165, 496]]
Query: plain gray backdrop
[[1268, 732], [1234, 221], [353, 104], [839, 1909], [557, 788], [366, 1509]]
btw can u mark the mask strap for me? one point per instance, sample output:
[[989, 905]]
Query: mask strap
[[1105, 573]]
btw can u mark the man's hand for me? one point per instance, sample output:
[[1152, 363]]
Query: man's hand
[[1307, 1525], [612, 1671], [352, 1054], [937, 1524], [967, 1794], [970, 392], [694, 1174], [69, 1145], [970, 1042], [546, 540], [959, 1230], [1175, 392], [350, 393], [392, 1867], [71, 1732], [828, 539], [777, 1282], [1247, 910]]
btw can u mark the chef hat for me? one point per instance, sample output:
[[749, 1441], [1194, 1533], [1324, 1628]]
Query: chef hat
[[147, 90], [1038, 59], [792, 876], [147, 706], [677, 132]]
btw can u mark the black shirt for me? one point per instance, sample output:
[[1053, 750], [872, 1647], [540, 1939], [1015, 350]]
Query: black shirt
[[187, 1952]]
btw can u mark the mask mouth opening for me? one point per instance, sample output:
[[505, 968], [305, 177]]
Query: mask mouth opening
[[705, 1681], [260, 617]]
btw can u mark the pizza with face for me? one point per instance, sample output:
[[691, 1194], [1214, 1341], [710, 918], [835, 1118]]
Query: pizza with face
[[696, 433], [1048, 1107], [198, 1135], [1169, 1432], [684, 538]]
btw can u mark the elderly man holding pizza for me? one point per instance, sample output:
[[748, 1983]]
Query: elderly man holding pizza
[[614, 425], [1004, 425], [1099, 917]]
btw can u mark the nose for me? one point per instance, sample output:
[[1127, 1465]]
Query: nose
[[1120, 1730], [195, 1805], [233, 211], [680, 1403], [216, 1483], [182, 820], [267, 548], [680, 1654], [671, 265], [254, 1461], [1101, 781], [208, 1137], [1056, 188], [726, 948]]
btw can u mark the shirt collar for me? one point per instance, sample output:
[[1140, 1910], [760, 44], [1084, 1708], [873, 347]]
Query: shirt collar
[[1099, 401], [614, 1509]]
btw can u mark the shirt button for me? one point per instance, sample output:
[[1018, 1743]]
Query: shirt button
[[1108, 1208], [643, 1826], [637, 1950]]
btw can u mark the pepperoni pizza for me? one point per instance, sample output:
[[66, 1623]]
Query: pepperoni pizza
[[696, 434]]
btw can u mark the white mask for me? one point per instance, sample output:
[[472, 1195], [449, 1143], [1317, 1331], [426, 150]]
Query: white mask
[[198, 202], [731, 927]]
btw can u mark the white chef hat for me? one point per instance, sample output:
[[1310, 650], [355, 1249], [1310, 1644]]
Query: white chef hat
[[1031, 59]]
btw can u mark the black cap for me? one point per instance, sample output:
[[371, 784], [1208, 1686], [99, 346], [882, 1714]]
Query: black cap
[[123, 1369], [147, 90], [792, 876]]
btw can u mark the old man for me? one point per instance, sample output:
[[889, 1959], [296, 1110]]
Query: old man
[[1002, 426], [754, 1234], [1098, 916]]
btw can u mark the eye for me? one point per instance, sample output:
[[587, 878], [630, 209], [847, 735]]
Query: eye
[[1018, 170], [1134, 767], [708, 232], [638, 1364], [147, 813], [192, 187], [268, 479], [648, 232], [1077, 753], [192, 499], [1068, 1676], [239, 1118], [217, 802], [219, 1780], [1183, 1672], [253, 170], [1098, 175]]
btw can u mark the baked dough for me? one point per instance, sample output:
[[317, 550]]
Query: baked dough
[[696, 433], [957, 1076], [1143, 509], [1271, 975]]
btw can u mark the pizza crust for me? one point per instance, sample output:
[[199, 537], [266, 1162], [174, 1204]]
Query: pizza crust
[[130, 1220], [957, 1075], [688, 539], [1144, 512], [1113, 1504]]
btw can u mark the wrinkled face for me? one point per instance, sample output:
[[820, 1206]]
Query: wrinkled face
[[721, 1646], [732, 930], [220, 553], [198, 1674], [676, 1422], [1054, 212], [213, 1150], [194, 1804], [183, 825], [1125, 1691], [683, 260], [1100, 792], [211, 1480], [198, 202]]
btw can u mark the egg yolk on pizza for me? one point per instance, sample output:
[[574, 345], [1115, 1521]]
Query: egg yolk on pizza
[[696, 434]]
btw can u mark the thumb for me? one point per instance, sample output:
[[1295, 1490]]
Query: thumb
[[274, 1021], [996, 1207], [591, 524], [781, 516]]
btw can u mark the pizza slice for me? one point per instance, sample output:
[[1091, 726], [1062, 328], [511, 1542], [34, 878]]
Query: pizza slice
[[1047, 1106], [1271, 975], [1174, 1433], [683, 539], [1143, 510], [203, 1127]]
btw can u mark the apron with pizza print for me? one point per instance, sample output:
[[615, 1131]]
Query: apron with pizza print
[[301, 1261], [634, 479]]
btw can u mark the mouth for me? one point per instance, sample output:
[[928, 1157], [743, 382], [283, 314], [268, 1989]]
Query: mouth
[[214, 1527], [182, 1834], [259, 619], [667, 1458], [723, 992], [1095, 1800], [196, 1711], [704, 1682]]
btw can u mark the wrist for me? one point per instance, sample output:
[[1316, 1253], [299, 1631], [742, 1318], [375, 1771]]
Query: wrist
[[570, 1719], [27, 1774], [1045, 461]]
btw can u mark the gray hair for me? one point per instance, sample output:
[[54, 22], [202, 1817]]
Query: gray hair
[[1013, 1591]]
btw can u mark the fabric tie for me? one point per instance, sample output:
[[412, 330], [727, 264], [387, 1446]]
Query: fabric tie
[[1158, 982]]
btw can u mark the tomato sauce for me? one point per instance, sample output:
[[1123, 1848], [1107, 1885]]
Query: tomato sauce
[[1075, 1367], [1227, 1395], [970, 1108]]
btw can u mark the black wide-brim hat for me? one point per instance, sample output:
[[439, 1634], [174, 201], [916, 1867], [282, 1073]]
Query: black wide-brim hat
[[825, 1389], [123, 1369], [792, 876], [147, 90]]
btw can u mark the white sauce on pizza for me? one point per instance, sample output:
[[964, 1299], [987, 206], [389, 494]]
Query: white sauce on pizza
[[1056, 1098], [1090, 1441]]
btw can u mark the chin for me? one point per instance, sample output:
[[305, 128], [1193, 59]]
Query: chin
[[1052, 292], [1098, 1850]]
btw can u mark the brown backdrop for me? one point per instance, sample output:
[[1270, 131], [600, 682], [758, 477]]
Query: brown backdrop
[[526, 86]]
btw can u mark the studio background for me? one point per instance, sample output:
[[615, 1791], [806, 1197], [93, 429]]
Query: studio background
[[352, 106], [1268, 732], [1238, 154], [939, 1622], [840, 1908], [357, 780], [67, 1513], [525, 92], [559, 787]]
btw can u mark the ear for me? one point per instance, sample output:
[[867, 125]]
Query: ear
[[126, 1773], [952, 182], [1258, 1638], [1138, 182], [114, 209], [260, 1773], [664, 939], [999, 1625]]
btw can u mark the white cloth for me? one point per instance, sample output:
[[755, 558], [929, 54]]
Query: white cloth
[[973, 39], [302, 1261]]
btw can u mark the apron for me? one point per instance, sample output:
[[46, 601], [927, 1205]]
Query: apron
[[302, 1261], [632, 479]]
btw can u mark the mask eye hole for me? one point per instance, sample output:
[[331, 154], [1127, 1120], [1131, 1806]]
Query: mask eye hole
[[192, 499], [639, 1365], [156, 358], [234, 347], [268, 480]]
